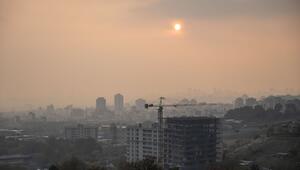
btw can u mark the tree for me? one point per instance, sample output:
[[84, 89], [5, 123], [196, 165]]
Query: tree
[[278, 107], [254, 167], [96, 168], [259, 109], [175, 168], [290, 108], [53, 167], [146, 164], [73, 164]]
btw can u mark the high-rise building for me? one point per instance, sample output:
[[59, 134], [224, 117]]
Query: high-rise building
[[100, 104], [81, 131], [140, 104], [119, 102], [141, 141], [189, 143]]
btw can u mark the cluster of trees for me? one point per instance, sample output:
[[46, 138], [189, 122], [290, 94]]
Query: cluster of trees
[[12, 167], [52, 150], [76, 164], [258, 113], [146, 164], [233, 165]]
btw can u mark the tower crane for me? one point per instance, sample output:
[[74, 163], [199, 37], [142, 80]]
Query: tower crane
[[160, 107]]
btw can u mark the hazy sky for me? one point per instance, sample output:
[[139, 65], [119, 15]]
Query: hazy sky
[[72, 51]]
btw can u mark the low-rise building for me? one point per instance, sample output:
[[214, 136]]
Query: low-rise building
[[81, 131]]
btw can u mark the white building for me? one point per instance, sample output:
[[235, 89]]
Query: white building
[[141, 141]]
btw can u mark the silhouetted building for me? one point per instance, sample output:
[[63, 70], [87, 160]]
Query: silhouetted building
[[113, 132], [193, 101], [100, 104], [251, 101], [17, 119], [239, 102], [32, 116], [77, 114], [191, 143], [50, 109], [119, 102], [140, 104], [271, 101], [81, 131], [184, 101]]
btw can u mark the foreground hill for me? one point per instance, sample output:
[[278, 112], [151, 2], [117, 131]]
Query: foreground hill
[[275, 147]]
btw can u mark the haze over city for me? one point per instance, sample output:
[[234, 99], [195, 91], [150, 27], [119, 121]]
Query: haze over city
[[70, 52], [149, 85]]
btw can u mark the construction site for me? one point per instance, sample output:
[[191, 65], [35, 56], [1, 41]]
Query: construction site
[[191, 143], [186, 143]]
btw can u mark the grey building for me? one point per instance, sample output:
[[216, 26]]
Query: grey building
[[238, 102], [140, 104], [119, 102], [251, 101], [100, 104], [81, 131], [191, 143], [77, 114]]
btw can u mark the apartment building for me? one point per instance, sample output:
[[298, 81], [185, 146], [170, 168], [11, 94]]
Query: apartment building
[[141, 141], [81, 131]]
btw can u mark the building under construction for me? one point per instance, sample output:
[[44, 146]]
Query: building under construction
[[191, 143]]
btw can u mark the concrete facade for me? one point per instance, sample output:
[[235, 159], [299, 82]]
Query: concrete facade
[[141, 141], [189, 143], [81, 131]]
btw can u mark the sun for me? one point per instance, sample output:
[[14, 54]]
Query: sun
[[177, 27]]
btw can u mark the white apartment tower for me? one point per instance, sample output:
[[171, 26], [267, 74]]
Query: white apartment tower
[[141, 141]]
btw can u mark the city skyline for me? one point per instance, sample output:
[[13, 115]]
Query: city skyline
[[149, 84], [213, 95]]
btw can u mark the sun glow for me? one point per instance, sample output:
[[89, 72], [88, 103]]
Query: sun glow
[[177, 27]]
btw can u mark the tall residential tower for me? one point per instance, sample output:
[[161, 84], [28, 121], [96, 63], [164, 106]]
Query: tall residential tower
[[119, 102], [100, 104]]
